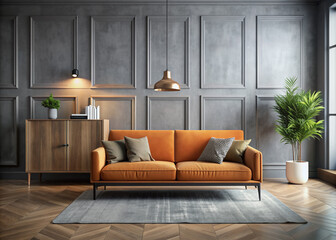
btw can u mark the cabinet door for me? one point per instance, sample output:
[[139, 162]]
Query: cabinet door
[[84, 136], [46, 150]]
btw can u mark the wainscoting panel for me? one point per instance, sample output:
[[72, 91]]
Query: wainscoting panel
[[164, 113], [69, 105], [275, 153], [9, 115], [222, 52], [120, 110], [224, 113], [279, 50], [9, 52], [179, 45], [53, 51], [113, 51]]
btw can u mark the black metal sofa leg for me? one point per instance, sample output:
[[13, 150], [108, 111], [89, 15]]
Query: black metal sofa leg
[[259, 191], [94, 191]]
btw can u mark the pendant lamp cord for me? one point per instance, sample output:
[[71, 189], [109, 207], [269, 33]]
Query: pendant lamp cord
[[166, 34]]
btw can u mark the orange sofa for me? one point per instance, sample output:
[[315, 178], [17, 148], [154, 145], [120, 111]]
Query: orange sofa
[[175, 154]]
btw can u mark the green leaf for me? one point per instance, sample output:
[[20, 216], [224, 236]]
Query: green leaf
[[297, 111], [50, 102]]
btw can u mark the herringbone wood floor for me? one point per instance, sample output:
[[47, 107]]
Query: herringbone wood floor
[[26, 213]]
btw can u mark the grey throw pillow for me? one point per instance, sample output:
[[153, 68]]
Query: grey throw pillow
[[115, 151], [138, 149], [216, 150]]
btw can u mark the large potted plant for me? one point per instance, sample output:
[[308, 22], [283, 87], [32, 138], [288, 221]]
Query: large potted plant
[[297, 111], [53, 105]]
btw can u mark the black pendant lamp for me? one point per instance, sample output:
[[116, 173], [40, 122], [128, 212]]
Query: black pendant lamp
[[75, 73], [167, 83]]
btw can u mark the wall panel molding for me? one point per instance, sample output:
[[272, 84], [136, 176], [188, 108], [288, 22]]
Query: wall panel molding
[[158, 2], [115, 98], [15, 80], [258, 99], [113, 19], [34, 99], [242, 101], [64, 74], [275, 165], [267, 167], [186, 23], [280, 152], [261, 45], [13, 148], [184, 99], [240, 80]]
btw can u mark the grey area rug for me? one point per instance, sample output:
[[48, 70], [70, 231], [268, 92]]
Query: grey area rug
[[178, 206]]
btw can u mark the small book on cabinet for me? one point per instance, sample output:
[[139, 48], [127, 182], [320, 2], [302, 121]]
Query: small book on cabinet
[[79, 116]]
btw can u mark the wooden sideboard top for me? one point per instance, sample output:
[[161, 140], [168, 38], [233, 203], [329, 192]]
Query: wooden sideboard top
[[66, 119]]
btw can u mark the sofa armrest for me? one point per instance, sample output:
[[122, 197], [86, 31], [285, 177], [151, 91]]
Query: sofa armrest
[[97, 163], [253, 159]]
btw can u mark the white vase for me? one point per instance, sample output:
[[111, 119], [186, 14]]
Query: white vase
[[52, 113], [297, 172]]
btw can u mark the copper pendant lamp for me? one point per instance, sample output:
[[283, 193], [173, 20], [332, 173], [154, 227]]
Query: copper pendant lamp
[[167, 83]]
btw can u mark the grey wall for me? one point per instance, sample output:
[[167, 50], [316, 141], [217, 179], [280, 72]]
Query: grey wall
[[230, 59]]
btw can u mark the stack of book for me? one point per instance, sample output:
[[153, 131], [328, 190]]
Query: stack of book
[[92, 112], [79, 116]]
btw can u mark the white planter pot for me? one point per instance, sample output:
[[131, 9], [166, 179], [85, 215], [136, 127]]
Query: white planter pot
[[52, 113], [297, 172]]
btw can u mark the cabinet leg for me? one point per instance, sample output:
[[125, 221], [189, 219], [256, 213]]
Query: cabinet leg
[[104, 187], [28, 179], [40, 177]]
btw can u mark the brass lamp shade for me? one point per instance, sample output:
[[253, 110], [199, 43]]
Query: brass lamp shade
[[167, 83]]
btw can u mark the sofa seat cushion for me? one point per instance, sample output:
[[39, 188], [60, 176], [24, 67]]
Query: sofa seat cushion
[[206, 171], [139, 171]]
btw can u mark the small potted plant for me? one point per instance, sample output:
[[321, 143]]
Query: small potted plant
[[53, 105], [297, 112]]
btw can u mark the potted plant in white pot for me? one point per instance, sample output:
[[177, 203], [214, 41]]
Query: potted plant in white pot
[[297, 111], [53, 105]]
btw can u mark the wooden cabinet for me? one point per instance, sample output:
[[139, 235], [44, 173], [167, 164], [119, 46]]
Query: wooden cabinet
[[46, 150], [62, 145], [84, 136]]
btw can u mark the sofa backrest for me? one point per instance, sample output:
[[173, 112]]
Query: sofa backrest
[[161, 142], [189, 144]]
